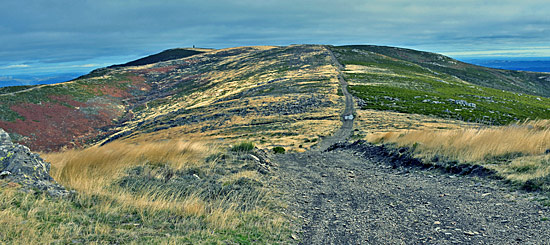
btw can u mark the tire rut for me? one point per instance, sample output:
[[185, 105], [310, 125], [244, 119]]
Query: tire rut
[[338, 197]]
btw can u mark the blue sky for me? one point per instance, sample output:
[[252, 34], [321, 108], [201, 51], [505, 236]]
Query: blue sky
[[63, 36]]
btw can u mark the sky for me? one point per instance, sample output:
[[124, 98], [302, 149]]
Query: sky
[[72, 36]]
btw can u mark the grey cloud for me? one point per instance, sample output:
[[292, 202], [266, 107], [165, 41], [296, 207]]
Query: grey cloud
[[70, 30]]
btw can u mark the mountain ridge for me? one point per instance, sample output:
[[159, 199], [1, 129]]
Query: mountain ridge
[[228, 93], [166, 55], [469, 72]]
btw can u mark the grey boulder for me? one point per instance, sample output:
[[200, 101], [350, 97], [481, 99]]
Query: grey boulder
[[18, 164]]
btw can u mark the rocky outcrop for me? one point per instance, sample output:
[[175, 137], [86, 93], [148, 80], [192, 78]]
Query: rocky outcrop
[[261, 158], [18, 164]]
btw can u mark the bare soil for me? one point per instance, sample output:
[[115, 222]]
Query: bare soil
[[349, 197]]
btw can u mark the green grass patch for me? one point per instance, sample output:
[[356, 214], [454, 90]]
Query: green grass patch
[[458, 103], [243, 147], [403, 86]]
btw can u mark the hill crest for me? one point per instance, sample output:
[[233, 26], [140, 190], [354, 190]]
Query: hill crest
[[287, 96]]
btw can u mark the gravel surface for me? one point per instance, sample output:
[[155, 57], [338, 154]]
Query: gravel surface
[[339, 198], [346, 197]]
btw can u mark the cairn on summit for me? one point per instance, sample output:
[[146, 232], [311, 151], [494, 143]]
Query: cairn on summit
[[18, 164]]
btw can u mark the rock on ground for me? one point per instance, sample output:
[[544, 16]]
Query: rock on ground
[[18, 164]]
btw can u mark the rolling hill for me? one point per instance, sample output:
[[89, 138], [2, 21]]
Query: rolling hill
[[285, 96], [227, 93], [534, 83], [417, 82], [300, 144]]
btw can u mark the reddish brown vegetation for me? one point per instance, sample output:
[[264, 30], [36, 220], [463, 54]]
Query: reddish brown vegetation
[[50, 125], [62, 121], [114, 91]]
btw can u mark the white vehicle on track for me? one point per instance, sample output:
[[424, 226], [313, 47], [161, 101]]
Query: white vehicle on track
[[348, 117]]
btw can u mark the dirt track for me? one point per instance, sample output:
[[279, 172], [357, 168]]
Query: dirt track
[[347, 125], [339, 197]]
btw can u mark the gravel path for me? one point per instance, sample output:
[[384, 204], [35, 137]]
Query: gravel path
[[339, 197], [347, 125]]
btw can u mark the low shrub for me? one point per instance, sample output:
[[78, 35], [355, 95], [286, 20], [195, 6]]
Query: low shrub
[[278, 150]]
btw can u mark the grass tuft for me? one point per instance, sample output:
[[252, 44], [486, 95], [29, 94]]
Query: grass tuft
[[482, 144], [91, 169], [243, 147]]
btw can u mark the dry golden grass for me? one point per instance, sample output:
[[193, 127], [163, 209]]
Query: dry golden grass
[[366, 69], [517, 152], [91, 169], [28, 219], [100, 209], [531, 138]]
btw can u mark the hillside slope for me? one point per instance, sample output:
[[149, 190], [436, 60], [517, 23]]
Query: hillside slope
[[276, 96], [187, 150], [424, 83], [534, 83], [170, 54], [288, 94]]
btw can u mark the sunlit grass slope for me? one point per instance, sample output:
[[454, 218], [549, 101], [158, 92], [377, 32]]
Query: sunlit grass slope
[[158, 192], [518, 152]]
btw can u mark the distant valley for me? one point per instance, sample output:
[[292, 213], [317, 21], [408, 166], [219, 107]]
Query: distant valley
[[27, 80], [519, 64]]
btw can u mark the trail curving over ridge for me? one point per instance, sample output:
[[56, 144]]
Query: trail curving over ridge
[[347, 197]]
